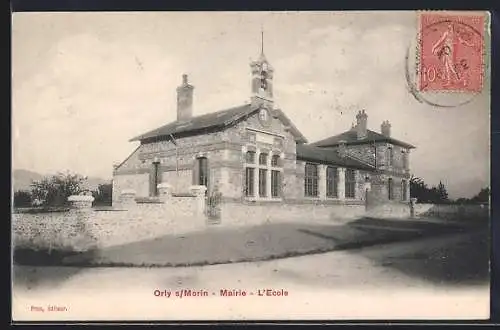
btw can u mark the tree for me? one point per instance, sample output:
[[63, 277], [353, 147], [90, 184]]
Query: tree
[[22, 198], [442, 193], [418, 189], [55, 190], [424, 194], [482, 197]]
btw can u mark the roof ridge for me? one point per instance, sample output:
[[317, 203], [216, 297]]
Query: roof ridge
[[349, 136], [240, 110]]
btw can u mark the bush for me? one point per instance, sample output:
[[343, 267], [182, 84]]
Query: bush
[[55, 190], [22, 198]]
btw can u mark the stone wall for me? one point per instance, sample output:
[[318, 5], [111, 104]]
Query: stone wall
[[390, 209], [80, 231], [453, 211], [84, 229], [244, 214]]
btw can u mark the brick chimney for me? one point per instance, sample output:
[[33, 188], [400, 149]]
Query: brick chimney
[[385, 128], [184, 100], [361, 122]]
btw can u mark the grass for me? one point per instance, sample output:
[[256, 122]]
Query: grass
[[26, 256], [43, 209]]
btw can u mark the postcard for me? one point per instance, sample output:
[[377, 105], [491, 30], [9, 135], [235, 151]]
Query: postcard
[[197, 166]]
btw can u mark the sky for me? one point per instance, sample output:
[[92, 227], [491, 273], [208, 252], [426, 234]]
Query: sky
[[85, 83]]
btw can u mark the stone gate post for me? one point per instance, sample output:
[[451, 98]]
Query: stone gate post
[[199, 192]]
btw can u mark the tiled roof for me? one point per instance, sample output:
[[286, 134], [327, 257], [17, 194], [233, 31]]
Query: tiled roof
[[224, 118], [209, 120], [329, 156], [351, 138]]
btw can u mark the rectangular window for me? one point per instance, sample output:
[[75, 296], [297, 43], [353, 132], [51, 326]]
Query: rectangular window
[[390, 156], [262, 182], [331, 182], [350, 183], [275, 183], [249, 181], [389, 188], [404, 187], [405, 159], [311, 180]]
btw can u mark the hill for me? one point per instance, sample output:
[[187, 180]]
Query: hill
[[22, 179]]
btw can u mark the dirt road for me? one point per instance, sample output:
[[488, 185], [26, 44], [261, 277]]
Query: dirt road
[[443, 277]]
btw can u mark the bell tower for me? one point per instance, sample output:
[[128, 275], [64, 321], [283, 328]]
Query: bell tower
[[262, 79]]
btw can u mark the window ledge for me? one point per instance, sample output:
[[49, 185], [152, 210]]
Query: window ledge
[[263, 199]]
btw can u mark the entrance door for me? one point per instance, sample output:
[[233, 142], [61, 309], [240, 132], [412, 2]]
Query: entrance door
[[202, 164]]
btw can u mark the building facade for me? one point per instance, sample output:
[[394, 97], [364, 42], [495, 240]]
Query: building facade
[[253, 154]]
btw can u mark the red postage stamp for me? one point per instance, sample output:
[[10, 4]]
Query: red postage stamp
[[451, 52]]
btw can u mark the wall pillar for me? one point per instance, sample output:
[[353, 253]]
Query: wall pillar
[[268, 174], [256, 175], [408, 196], [413, 201], [341, 184], [322, 181]]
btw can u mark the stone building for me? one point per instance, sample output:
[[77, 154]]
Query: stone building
[[252, 154]]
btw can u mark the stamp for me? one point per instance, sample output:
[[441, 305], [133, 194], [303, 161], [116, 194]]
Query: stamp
[[450, 52]]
